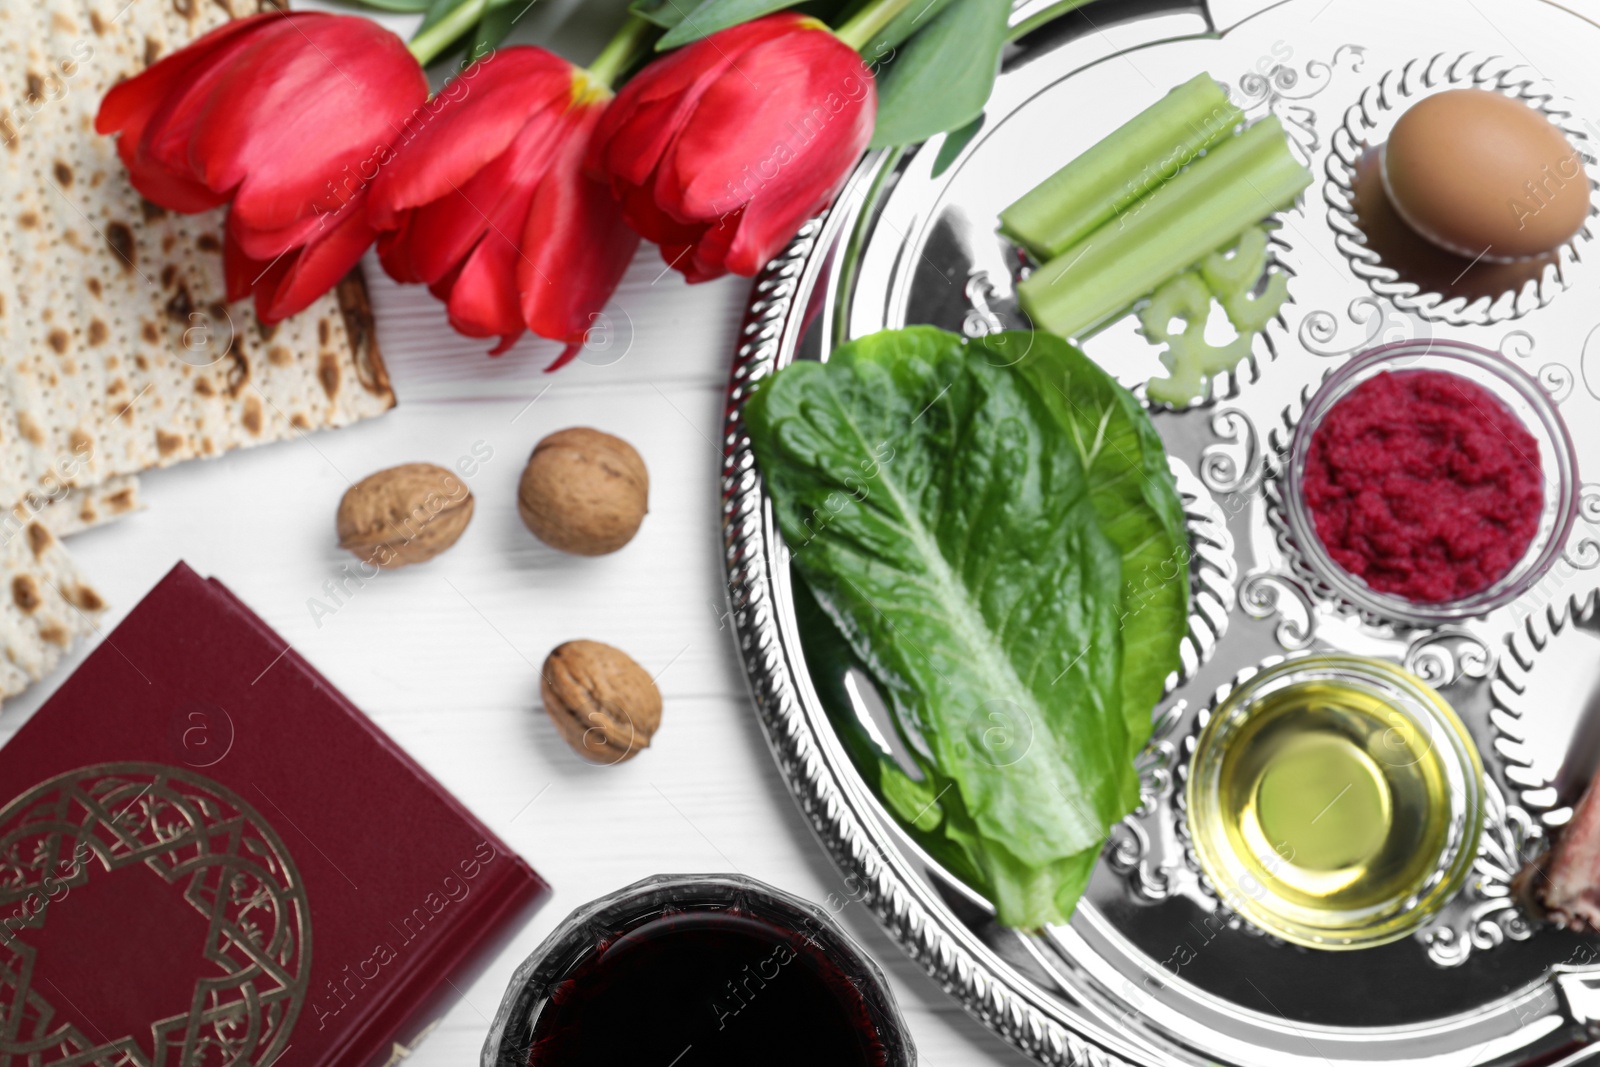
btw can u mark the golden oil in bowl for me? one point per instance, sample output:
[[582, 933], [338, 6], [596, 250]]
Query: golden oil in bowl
[[1335, 801]]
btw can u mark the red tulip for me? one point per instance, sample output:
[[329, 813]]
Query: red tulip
[[489, 205], [722, 150], [285, 117]]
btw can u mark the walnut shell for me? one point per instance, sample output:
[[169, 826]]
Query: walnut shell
[[584, 492], [404, 515], [603, 703]]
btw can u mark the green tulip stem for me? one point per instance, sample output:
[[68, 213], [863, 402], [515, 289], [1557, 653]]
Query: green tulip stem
[[631, 41], [869, 22], [432, 42], [1039, 18]]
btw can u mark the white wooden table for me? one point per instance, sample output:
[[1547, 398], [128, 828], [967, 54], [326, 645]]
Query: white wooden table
[[445, 656]]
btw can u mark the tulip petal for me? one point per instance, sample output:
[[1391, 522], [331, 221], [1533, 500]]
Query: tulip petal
[[128, 105], [675, 255], [239, 271], [709, 258], [443, 232], [796, 133], [441, 289], [394, 251], [653, 224], [156, 112], [652, 106], [722, 151], [568, 354], [269, 244], [316, 267], [484, 301], [575, 246], [304, 119], [468, 124], [768, 225], [175, 192]]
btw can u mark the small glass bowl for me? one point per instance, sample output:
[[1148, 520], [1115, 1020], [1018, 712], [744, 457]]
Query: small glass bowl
[[1522, 396], [598, 923], [1412, 707]]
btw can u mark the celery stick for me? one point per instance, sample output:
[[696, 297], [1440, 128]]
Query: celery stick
[[1236, 269], [1234, 186], [1184, 298], [1110, 177], [1250, 313], [1186, 384], [1190, 359]]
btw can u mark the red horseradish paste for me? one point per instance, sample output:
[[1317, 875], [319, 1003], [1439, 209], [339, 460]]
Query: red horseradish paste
[[1424, 485]]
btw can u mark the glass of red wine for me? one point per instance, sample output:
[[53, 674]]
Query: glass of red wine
[[699, 971]]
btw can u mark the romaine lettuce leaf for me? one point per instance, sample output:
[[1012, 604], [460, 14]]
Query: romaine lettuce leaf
[[941, 513], [1137, 504]]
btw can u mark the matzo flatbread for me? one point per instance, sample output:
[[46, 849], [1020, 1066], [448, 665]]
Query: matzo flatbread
[[118, 351], [46, 605], [83, 507]]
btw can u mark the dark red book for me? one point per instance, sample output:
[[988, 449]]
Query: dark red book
[[209, 857]]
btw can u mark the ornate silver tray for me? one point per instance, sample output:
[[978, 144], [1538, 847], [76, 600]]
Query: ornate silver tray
[[1153, 969]]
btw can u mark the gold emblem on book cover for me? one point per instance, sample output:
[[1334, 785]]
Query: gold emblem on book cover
[[205, 844]]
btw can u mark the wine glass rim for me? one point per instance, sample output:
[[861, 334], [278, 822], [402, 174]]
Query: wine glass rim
[[574, 940]]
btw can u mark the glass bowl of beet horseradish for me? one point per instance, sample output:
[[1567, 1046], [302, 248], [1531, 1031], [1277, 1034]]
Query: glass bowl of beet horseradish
[[1430, 481], [698, 971]]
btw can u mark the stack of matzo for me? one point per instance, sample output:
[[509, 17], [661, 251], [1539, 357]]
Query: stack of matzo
[[117, 353]]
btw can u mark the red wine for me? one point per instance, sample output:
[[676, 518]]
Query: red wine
[[706, 989]]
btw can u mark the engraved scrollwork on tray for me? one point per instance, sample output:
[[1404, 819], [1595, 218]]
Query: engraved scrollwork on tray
[[1265, 596], [1543, 684], [1157, 763], [1484, 915], [1132, 850], [981, 319], [1518, 344], [1583, 550], [1322, 333], [1213, 573], [1129, 853], [1557, 379], [1589, 362], [1234, 464], [1447, 656], [1367, 125], [1281, 86]]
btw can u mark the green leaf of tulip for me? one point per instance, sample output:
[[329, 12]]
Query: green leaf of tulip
[[709, 16], [499, 17], [437, 11], [907, 22], [663, 13], [942, 78]]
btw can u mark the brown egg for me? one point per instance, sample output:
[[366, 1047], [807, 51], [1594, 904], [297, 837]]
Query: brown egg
[[1482, 174]]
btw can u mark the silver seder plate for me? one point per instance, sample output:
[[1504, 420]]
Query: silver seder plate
[[1153, 969]]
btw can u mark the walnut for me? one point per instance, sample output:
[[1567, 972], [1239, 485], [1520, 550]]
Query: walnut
[[603, 703], [584, 492], [404, 515]]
